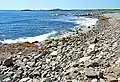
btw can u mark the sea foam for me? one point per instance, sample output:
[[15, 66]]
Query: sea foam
[[29, 39], [86, 21]]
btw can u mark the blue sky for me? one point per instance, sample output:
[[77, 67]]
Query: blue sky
[[64, 4]]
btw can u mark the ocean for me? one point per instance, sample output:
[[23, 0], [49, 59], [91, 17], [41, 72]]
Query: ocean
[[22, 26]]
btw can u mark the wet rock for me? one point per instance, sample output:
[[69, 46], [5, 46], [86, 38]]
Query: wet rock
[[0, 43], [8, 62], [35, 42]]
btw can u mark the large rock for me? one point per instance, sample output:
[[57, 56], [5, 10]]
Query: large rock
[[8, 62]]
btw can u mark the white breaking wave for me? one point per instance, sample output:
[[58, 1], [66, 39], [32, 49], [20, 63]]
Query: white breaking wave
[[29, 39], [80, 20], [87, 21]]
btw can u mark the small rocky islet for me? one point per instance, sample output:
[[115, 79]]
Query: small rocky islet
[[93, 56]]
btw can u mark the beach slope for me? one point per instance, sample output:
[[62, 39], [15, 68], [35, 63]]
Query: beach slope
[[93, 56]]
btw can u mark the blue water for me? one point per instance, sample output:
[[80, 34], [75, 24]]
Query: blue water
[[20, 24]]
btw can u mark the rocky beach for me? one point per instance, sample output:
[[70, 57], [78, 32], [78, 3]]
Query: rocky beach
[[92, 56]]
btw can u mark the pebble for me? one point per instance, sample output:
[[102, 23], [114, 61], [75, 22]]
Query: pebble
[[24, 79], [54, 54], [90, 73], [102, 80], [7, 80], [94, 80], [35, 80]]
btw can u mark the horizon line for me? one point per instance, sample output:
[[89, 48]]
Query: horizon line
[[62, 9]]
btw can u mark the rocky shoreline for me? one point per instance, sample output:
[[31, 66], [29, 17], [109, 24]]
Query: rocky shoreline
[[83, 57]]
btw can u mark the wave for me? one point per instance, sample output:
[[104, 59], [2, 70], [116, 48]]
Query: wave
[[86, 21], [30, 39]]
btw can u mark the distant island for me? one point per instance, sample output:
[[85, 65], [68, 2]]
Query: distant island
[[57, 9], [26, 10]]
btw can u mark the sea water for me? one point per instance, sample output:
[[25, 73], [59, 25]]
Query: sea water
[[22, 26]]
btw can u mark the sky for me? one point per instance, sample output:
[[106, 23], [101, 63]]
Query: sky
[[63, 4]]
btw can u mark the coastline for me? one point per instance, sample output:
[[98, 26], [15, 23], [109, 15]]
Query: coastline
[[84, 23], [83, 56]]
